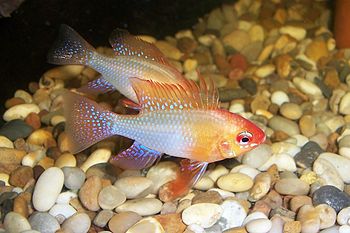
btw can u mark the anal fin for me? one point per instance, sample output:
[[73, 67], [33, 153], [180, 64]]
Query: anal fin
[[137, 156], [97, 86], [189, 173]]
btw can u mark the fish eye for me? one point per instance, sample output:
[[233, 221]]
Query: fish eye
[[244, 138]]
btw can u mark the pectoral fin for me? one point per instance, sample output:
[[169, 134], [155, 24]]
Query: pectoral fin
[[136, 157], [189, 173]]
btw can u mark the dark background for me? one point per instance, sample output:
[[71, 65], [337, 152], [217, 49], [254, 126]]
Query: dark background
[[26, 36]]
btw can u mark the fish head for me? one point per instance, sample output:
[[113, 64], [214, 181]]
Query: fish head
[[240, 136]]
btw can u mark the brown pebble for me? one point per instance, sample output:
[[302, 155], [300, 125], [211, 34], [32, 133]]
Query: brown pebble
[[63, 142], [33, 120], [332, 143], [262, 206], [21, 176], [13, 102], [298, 201], [273, 171], [283, 65], [120, 223], [279, 136], [273, 199], [171, 223], [88, 193], [21, 204], [38, 170], [207, 197], [76, 204], [11, 156], [20, 144], [292, 227], [331, 78]]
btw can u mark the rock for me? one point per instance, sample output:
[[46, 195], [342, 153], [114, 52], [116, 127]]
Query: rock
[[252, 50], [297, 33], [47, 189], [98, 156], [292, 227], [103, 217], [308, 87], [253, 216], [134, 186], [343, 216], [316, 50], [285, 148], [261, 187], [5, 142], [341, 164], [78, 223], [308, 154], [282, 124], [168, 50], [21, 176], [332, 196], [88, 194], [249, 85], [66, 160], [291, 111], [141, 206], [298, 201], [265, 70], [207, 197], [344, 105], [259, 226], [203, 184], [120, 223], [104, 171], [277, 224], [235, 182], [327, 174], [291, 186], [43, 222], [147, 225], [279, 97], [33, 120], [327, 215], [110, 197], [20, 111], [237, 39], [244, 169], [171, 222], [62, 211], [187, 45], [217, 172], [203, 214], [258, 156], [74, 177], [162, 173], [16, 129], [232, 208], [283, 65], [15, 222], [65, 197], [307, 125], [41, 137], [21, 204], [310, 221], [283, 161]]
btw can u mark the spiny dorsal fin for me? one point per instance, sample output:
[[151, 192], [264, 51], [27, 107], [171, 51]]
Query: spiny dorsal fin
[[125, 44], [155, 96]]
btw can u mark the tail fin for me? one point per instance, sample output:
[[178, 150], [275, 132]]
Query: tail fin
[[69, 48], [86, 122]]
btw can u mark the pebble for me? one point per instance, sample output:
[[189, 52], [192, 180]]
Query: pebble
[[62, 211], [102, 218], [340, 163], [20, 111], [171, 222], [292, 186], [279, 97], [327, 215], [88, 193], [78, 223], [344, 229], [327, 174], [298, 201], [217, 172], [307, 87], [47, 189], [261, 187], [237, 39], [204, 183], [308, 154], [98, 156], [21, 176], [291, 111], [110, 197], [265, 70], [316, 50], [343, 216], [344, 105], [292, 227], [285, 125], [5, 142], [168, 50], [16, 129], [44, 222], [66, 160], [285, 148], [134, 186], [297, 33], [147, 225], [65, 197], [332, 196], [202, 214], [74, 177], [162, 173], [141, 206], [207, 197], [14, 223], [235, 182], [253, 216], [284, 162], [259, 226], [309, 219], [258, 156], [277, 224], [121, 222], [232, 208]]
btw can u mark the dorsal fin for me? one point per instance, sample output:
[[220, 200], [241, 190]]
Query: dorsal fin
[[125, 44], [155, 96]]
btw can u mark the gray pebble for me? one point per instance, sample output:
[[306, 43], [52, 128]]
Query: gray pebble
[[228, 94], [282, 124], [249, 85], [332, 196], [44, 222], [103, 217], [308, 154], [16, 129], [74, 177]]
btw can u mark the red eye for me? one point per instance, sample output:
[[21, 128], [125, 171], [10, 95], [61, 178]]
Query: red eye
[[244, 138]]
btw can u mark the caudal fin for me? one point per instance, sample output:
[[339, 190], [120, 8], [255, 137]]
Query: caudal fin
[[69, 48], [86, 122]]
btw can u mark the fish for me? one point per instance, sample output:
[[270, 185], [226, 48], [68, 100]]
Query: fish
[[182, 120], [133, 58]]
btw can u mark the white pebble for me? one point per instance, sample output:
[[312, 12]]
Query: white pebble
[[20, 111], [253, 216], [259, 226], [98, 156], [202, 214], [5, 142], [340, 163], [258, 156], [14, 223], [224, 194], [279, 97], [232, 208], [28, 99], [65, 210], [284, 162], [344, 229], [65, 197], [308, 87]]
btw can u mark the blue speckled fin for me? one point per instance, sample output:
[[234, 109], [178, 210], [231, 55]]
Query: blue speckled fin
[[136, 157], [86, 122], [156, 96], [97, 86], [125, 44]]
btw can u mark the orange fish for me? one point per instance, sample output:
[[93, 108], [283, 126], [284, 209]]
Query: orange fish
[[182, 120]]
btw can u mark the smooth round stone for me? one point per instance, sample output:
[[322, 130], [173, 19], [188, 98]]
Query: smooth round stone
[[204, 183], [74, 177], [341, 164], [232, 208], [102, 218], [259, 226], [333, 229], [297, 33], [16, 129], [20, 111], [147, 225], [142, 206], [254, 216], [291, 186], [298, 201], [332, 196], [162, 173], [98, 156], [277, 224], [285, 148], [21, 176], [258, 156], [298, 139], [249, 171], [110, 197], [327, 173], [343, 216], [327, 215], [261, 187], [207, 197], [202, 214], [47, 189], [78, 223], [5, 142], [14, 223], [134, 186], [308, 154], [66, 160], [224, 194], [88, 194], [285, 125], [235, 182], [63, 211], [217, 172], [120, 223], [65, 197], [43, 222], [344, 229], [291, 111], [344, 105], [279, 97], [283, 161], [307, 87]]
